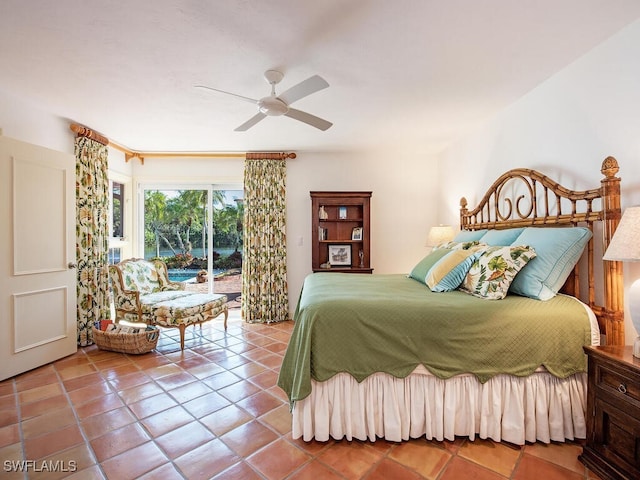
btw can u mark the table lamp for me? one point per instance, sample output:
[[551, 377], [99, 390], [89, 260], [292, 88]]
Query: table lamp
[[439, 234], [625, 247]]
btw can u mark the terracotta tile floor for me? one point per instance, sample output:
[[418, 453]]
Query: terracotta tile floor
[[213, 411]]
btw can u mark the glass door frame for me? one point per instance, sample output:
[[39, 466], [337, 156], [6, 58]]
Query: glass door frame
[[208, 187]]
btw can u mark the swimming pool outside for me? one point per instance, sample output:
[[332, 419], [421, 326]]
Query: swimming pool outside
[[186, 275]]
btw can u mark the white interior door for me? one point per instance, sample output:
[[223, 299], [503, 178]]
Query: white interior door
[[37, 247]]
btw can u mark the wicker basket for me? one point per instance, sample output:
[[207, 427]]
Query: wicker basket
[[134, 343]]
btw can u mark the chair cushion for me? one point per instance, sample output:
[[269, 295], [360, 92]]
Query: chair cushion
[[185, 309], [140, 275], [163, 296]]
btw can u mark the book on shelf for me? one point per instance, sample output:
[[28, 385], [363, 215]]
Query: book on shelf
[[322, 233]]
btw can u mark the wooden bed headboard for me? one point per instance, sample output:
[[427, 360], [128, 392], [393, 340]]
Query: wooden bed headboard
[[546, 203]]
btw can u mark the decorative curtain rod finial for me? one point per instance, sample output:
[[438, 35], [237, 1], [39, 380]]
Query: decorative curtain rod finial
[[83, 131], [270, 155]]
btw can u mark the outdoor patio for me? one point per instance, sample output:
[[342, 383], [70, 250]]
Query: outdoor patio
[[229, 283]]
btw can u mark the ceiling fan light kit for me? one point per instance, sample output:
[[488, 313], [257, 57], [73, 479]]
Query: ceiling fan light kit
[[272, 106], [277, 105]]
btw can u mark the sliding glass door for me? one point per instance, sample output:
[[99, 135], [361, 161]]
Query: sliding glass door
[[197, 232]]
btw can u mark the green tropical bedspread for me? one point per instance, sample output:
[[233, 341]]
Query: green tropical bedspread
[[362, 324]]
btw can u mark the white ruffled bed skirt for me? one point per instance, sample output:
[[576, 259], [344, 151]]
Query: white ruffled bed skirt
[[540, 407]]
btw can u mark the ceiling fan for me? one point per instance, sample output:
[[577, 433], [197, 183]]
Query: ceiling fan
[[276, 105]]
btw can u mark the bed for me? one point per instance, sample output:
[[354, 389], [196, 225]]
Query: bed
[[484, 348]]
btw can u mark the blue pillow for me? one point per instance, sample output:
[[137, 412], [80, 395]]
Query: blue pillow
[[469, 235], [419, 272], [448, 273], [501, 238], [558, 250]]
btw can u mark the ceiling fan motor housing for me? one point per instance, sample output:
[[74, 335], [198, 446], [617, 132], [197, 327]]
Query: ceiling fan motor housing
[[272, 106]]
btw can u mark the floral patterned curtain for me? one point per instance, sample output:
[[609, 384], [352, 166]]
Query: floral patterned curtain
[[92, 232], [264, 266]]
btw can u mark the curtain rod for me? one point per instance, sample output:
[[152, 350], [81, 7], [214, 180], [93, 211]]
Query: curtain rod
[[82, 131], [129, 154]]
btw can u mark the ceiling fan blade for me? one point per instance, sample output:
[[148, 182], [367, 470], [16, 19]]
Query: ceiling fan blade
[[308, 119], [246, 99], [304, 88], [250, 123]]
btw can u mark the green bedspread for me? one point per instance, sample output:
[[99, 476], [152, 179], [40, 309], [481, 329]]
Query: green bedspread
[[362, 324]]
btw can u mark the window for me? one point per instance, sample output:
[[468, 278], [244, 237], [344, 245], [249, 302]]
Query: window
[[117, 209], [119, 217]]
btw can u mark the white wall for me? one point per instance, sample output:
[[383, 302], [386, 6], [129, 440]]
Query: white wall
[[27, 122], [564, 128]]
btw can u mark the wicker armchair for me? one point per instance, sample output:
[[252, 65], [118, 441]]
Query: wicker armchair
[[143, 293]]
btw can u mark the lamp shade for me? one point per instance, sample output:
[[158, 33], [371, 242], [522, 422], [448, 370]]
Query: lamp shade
[[625, 244], [439, 234]]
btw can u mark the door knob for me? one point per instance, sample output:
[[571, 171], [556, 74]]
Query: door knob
[[71, 265]]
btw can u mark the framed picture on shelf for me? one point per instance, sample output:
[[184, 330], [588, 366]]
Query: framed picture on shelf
[[356, 233], [340, 255], [342, 213]]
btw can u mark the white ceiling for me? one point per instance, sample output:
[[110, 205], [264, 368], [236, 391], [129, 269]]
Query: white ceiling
[[405, 73]]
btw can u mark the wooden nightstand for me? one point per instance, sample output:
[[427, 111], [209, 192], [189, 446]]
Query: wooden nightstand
[[612, 449]]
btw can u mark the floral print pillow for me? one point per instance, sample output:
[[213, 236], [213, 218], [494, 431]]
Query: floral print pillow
[[458, 245], [492, 273]]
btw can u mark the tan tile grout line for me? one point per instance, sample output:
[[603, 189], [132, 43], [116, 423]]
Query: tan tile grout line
[[138, 421], [279, 436], [78, 423], [23, 450], [243, 459], [87, 442], [153, 379], [91, 360]]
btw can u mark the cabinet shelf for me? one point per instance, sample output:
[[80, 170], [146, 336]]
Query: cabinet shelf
[[340, 241], [330, 220], [333, 230]]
